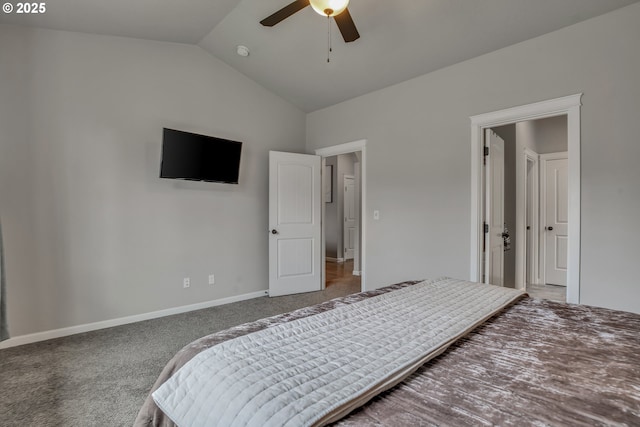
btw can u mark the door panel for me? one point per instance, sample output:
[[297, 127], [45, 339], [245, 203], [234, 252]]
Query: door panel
[[350, 220], [294, 223], [494, 243], [556, 221], [295, 257], [295, 192]]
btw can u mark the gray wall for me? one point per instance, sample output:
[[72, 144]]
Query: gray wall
[[91, 232], [551, 135], [543, 136], [419, 156]]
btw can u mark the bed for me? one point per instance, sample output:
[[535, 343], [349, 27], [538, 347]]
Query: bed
[[535, 362]]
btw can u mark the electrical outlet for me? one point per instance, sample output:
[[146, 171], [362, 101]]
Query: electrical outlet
[[212, 279], [186, 282]]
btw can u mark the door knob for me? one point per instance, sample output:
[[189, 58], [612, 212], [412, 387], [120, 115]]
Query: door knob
[[550, 228], [274, 231]]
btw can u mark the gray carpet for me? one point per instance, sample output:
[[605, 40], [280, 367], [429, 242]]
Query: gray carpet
[[101, 378]]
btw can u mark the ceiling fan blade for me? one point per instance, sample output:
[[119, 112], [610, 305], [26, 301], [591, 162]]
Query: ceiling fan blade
[[347, 26], [284, 13]]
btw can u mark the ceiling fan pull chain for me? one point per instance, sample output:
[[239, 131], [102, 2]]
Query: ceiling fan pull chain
[[329, 39]]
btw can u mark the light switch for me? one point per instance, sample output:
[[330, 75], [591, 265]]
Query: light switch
[[376, 215]]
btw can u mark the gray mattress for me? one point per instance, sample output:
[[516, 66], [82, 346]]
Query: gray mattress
[[536, 363]]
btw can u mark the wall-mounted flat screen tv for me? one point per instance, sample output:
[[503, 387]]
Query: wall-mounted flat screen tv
[[196, 157]]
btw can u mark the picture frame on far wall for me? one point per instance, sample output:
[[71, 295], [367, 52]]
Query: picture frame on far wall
[[327, 183]]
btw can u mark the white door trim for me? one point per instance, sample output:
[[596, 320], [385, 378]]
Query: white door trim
[[356, 257], [569, 105], [351, 147]]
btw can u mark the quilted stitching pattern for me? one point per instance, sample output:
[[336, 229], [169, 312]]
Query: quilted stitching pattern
[[293, 374]]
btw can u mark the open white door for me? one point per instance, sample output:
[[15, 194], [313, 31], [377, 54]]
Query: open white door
[[556, 218], [494, 204], [350, 217], [294, 223]]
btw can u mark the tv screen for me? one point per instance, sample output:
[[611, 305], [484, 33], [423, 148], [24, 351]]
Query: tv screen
[[196, 157]]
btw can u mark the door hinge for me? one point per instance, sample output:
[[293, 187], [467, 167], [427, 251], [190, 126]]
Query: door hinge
[[486, 227], [486, 151]]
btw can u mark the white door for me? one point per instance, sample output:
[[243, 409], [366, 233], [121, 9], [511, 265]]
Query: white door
[[556, 220], [294, 223], [494, 205], [349, 217]]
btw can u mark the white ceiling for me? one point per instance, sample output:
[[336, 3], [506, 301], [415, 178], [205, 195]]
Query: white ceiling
[[399, 40]]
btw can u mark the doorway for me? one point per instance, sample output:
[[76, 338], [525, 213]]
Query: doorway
[[568, 106], [531, 232], [344, 263], [297, 243], [341, 225]]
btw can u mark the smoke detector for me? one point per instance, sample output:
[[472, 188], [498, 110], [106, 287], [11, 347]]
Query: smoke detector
[[243, 50]]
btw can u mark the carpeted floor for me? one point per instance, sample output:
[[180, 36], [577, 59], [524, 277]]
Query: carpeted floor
[[101, 378]]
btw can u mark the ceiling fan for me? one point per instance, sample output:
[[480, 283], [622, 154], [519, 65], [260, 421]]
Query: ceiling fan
[[329, 8]]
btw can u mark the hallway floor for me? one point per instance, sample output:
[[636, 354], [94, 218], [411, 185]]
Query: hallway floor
[[341, 273], [550, 292]]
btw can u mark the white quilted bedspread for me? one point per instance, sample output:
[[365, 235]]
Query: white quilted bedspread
[[304, 372]]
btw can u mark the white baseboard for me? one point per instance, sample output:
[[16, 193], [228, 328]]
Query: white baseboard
[[330, 259], [355, 272], [58, 333]]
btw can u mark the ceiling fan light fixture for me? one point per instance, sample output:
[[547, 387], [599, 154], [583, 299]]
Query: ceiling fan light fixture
[[329, 7]]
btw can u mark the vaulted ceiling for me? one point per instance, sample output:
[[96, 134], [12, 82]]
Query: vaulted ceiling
[[399, 40]]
